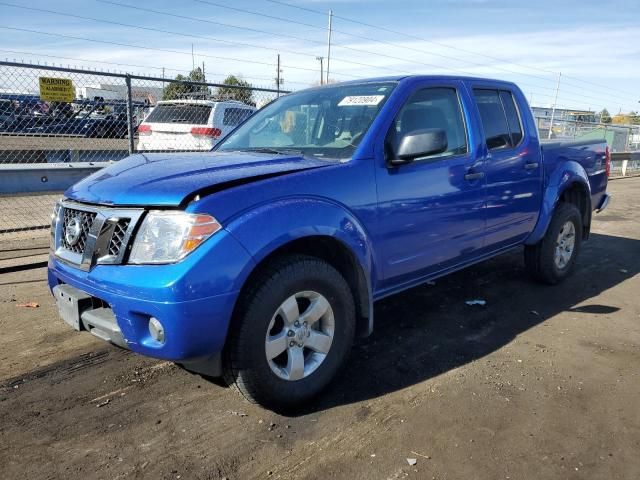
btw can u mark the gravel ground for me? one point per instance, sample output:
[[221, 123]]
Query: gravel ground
[[542, 382]]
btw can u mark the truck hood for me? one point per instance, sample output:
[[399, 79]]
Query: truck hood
[[163, 179]]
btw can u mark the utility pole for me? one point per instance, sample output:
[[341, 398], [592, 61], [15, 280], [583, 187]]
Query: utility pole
[[193, 59], [555, 103], [204, 87], [320, 59], [279, 80], [329, 43]]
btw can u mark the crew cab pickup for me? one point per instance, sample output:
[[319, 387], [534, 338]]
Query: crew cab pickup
[[261, 260]]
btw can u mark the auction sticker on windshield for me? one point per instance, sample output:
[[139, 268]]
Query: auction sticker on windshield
[[360, 100]]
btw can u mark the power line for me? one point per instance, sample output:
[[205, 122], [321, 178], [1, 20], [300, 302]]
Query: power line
[[378, 67], [342, 60], [207, 37], [205, 55], [279, 35], [158, 30], [454, 69], [190, 35], [102, 62], [395, 32], [196, 19], [405, 34], [211, 22], [295, 22], [144, 47]]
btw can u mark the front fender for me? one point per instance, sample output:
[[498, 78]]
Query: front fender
[[561, 179], [265, 228]]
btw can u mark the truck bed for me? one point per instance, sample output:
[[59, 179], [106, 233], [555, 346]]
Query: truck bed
[[590, 154]]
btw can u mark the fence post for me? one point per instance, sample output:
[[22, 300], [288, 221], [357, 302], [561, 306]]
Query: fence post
[[130, 129]]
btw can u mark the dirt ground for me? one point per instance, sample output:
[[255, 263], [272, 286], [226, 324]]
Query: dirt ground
[[542, 382]]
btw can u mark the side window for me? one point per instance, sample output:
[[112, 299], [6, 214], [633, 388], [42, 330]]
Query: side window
[[432, 108], [500, 119], [513, 119]]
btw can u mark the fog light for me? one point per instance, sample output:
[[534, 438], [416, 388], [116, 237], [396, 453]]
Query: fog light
[[156, 330]]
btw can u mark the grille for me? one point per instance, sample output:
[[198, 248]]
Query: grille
[[117, 239], [85, 220]]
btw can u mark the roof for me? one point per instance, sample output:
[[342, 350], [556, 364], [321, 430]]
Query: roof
[[399, 78]]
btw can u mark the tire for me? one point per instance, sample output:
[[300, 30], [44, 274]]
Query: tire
[[260, 318], [541, 260]]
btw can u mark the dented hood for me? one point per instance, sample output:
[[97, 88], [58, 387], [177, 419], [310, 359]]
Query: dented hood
[[168, 179]]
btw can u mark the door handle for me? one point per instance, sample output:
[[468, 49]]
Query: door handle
[[531, 165], [474, 176]]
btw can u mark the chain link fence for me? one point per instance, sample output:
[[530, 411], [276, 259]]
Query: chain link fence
[[623, 140], [620, 138], [58, 125]]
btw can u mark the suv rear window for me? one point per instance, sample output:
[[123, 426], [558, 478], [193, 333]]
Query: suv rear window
[[235, 116], [180, 113]]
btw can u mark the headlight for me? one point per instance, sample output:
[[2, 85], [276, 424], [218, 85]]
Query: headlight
[[167, 236]]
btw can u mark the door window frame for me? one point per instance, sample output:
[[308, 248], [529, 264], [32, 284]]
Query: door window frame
[[498, 90], [465, 126]]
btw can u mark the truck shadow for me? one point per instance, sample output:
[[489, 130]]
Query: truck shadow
[[429, 330]]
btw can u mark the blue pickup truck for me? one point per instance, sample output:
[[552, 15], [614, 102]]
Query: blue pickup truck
[[261, 260]]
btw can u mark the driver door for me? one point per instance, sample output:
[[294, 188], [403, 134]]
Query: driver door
[[431, 211]]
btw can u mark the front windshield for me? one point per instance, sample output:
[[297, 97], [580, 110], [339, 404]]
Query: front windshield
[[326, 122]]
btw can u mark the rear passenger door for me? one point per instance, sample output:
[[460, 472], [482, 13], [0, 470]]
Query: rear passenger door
[[512, 169]]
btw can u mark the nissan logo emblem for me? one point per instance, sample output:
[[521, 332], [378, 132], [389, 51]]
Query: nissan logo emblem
[[72, 231]]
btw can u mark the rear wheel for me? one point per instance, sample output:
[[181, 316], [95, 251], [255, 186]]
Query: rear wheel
[[292, 332], [553, 258]]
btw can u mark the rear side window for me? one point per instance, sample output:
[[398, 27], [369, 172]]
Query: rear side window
[[432, 108], [513, 119], [500, 119], [235, 116], [180, 113]]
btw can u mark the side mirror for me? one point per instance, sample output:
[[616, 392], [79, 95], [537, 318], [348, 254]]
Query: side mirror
[[419, 143]]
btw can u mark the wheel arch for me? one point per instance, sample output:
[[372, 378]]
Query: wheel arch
[[339, 256], [570, 185], [577, 193], [316, 228]]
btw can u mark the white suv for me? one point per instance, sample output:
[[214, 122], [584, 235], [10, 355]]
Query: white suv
[[190, 124]]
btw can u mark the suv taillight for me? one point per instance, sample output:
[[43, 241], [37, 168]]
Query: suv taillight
[[144, 129], [206, 131], [607, 160]]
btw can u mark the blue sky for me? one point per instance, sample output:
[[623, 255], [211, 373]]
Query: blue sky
[[595, 44]]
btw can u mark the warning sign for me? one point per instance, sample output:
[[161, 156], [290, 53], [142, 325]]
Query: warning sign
[[56, 90]]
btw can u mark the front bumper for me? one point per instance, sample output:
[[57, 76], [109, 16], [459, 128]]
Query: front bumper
[[80, 311], [193, 299], [193, 329]]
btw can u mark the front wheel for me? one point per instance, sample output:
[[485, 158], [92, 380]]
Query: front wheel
[[553, 258], [292, 332]]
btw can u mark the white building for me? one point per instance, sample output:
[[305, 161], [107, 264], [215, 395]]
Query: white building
[[119, 92]]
